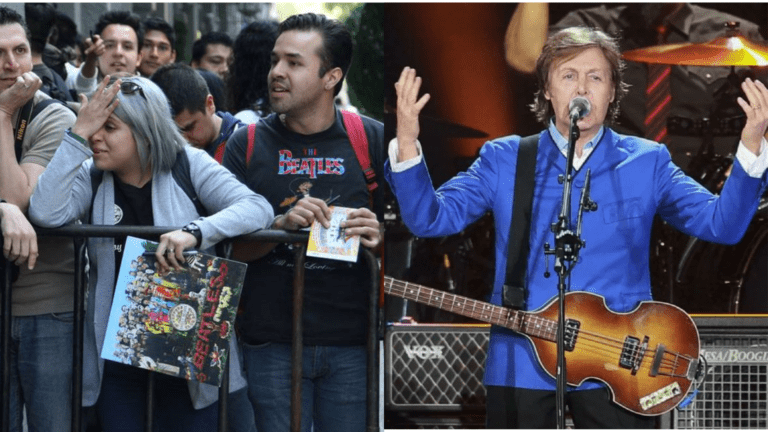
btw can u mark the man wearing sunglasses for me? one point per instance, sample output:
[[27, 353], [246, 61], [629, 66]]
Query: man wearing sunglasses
[[115, 47], [42, 295]]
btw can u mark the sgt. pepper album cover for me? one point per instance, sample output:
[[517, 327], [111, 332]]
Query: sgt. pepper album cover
[[179, 323]]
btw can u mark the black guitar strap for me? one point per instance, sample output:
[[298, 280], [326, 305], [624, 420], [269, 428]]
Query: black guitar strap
[[515, 292]]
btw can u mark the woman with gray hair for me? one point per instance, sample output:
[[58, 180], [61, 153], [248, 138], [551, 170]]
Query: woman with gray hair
[[127, 133]]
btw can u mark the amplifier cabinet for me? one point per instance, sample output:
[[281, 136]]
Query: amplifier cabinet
[[431, 367], [734, 393]]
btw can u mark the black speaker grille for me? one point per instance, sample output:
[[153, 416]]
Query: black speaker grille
[[435, 367], [734, 394]]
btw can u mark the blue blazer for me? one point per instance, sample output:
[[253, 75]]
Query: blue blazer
[[633, 180]]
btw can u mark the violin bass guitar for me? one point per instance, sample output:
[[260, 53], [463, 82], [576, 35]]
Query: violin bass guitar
[[648, 357]]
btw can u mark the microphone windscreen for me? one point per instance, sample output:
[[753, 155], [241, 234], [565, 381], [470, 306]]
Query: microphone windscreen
[[581, 104]]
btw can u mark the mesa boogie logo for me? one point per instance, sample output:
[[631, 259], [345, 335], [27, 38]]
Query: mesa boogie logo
[[425, 352], [736, 355]]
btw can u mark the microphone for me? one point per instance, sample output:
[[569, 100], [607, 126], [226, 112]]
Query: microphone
[[579, 108]]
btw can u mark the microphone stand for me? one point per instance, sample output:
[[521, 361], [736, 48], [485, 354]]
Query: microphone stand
[[566, 253]]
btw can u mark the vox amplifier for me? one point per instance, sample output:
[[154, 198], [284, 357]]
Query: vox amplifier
[[431, 367]]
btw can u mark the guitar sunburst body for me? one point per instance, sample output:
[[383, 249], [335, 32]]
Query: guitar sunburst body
[[648, 357], [651, 352]]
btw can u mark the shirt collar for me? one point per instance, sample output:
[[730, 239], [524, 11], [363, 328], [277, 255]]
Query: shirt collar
[[562, 143]]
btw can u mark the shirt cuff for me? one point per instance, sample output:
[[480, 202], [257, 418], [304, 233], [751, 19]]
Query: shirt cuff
[[755, 166], [398, 166], [86, 85]]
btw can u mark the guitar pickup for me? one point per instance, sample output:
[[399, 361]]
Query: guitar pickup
[[632, 353], [628, 352]]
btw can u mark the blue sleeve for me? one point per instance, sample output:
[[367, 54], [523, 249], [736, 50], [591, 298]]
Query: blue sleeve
[[457, 203], [692, 209]]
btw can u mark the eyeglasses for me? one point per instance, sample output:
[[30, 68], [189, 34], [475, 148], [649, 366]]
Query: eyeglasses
[[131, 87]]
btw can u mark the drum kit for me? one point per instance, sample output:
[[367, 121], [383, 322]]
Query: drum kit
[[698, 276], [702, 277]]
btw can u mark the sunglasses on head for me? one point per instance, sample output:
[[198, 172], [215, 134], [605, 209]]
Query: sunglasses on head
[[131, 87]]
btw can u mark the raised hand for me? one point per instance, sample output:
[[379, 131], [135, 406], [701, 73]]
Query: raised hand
[[95, 112], [409, 106], [756, 109], [94, 48]]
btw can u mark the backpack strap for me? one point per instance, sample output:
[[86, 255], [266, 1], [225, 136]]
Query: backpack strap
[[183, 178], [219, 153], [515, 293], [356, 132], [251, 142]]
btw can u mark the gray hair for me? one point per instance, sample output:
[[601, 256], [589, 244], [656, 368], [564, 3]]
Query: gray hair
[[148, 114], [567, 44]]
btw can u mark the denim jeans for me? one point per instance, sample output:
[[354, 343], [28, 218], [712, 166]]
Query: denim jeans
[[41, 372], [121, 406], [333, 388]]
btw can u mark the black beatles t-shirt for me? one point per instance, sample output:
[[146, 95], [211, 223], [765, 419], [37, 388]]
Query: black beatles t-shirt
[[286, 167], [133, 206]]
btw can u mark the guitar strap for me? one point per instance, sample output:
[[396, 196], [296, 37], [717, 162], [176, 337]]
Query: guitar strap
[[515, 292]]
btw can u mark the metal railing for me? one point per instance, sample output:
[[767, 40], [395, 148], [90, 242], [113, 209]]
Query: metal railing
[[80, 232]]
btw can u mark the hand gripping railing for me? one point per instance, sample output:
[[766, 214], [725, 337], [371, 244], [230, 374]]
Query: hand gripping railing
[[80, 232]]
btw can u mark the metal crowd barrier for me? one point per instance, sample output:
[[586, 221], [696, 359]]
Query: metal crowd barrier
[[80, 232]]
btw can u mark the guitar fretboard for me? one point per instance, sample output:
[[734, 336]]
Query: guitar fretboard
[[518, 321]]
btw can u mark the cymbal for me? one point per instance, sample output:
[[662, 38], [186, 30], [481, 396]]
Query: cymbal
[[723, 51]]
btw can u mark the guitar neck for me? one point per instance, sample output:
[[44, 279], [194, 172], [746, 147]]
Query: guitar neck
[[482, 311]]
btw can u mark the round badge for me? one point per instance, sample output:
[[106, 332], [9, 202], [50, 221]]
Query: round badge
[[183, 317], [118, 214]]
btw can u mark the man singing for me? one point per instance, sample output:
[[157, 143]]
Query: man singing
[[632, 180]]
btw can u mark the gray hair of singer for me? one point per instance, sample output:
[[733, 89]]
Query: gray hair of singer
[[157, 137], [567, 44]]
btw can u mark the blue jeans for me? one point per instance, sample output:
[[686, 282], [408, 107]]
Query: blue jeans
[[333, 388], [41, 372], [121, 405]]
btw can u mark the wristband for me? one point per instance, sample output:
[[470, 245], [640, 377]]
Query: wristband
[[82, 140]]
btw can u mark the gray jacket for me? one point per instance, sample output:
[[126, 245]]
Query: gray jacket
[[63, 195]]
